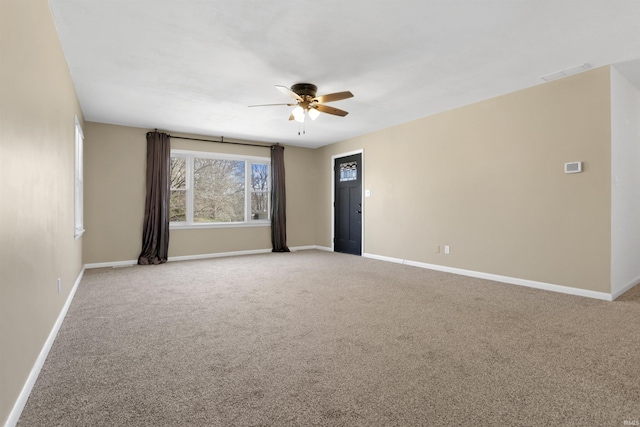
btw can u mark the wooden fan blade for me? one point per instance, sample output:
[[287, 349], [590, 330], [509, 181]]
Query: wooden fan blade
[[289, 92], [334, 96], [291, 117], [270, 105], [330, 110]]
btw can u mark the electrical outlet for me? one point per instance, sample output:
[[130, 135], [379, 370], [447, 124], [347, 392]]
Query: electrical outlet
[[59, 284], [437, 249], [446, 249]]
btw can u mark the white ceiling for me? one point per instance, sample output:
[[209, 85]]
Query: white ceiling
[[195, 65]]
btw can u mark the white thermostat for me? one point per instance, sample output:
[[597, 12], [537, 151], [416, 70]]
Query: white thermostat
[[573, 167]]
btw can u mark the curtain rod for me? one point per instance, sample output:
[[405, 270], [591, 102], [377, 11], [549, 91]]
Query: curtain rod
[[221, 141]]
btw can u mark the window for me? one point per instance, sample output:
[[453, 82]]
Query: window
[[78, 207], [214, 190], [349, 171]]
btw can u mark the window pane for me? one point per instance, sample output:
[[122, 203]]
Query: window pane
[[260, 205], [260, 192], [348, 171], [259, 177], [218, 190], [178, 205], [178, 173], [79, 185]]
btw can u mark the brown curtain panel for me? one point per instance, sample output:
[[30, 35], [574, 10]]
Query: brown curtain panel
[[155, 233], [278, 201]]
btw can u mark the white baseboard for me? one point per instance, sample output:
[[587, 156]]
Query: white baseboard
[[384, 258], [218, 255], [203, 256], [310, 248], [111, 264], [504, 279], [323, 248], [302, 248], [625, 288], [15, 413]]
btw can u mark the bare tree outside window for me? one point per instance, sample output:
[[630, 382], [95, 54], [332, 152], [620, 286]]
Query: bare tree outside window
[[218, 190], [207, 188], [259, 191], [178, 189]]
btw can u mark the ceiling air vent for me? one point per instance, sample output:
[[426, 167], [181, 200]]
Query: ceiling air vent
[[566, 72]]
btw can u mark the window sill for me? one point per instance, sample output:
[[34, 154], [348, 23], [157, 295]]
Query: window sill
[[184, 226]]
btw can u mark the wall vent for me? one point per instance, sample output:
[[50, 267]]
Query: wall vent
[[573, 167]]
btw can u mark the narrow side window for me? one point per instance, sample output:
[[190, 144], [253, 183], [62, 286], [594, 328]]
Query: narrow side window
[[79, 186]]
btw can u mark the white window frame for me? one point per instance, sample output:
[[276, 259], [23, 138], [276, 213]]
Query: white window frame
[[78, 188], [189, 155]]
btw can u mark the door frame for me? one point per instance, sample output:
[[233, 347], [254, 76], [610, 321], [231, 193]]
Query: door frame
[[333, 197]]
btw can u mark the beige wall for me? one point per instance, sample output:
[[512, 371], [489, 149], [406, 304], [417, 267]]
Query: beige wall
[[115, 167], [37, 109], [114, 192], [488, 180], [485, 179]]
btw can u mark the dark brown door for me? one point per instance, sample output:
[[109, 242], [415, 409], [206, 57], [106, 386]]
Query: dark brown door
[[348, 204]]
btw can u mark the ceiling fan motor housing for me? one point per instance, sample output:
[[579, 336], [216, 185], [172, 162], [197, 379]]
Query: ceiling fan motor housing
[[305, 89]]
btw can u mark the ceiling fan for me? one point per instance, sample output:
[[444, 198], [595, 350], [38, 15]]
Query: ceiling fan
[[308, 103]]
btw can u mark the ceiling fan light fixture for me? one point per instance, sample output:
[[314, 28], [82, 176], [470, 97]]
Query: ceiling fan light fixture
[[306, 101], [298, 114], [313, 113]]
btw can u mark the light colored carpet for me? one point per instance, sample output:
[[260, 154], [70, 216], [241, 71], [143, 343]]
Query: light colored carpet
[[322, 339]]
